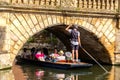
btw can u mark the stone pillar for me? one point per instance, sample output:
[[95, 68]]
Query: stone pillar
[[90, 4], [94, 4], [84, 4], [80, 3], [112, 8], [4, 41], [117, 42], [107, 4], [119, 6], [99, 4]]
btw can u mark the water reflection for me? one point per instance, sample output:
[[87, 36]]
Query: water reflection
[[42, 73], [39, 74], [30, 72]]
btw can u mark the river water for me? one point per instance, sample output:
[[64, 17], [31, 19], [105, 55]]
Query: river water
[[32, 72]]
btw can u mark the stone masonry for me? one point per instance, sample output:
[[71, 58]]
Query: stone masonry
[[21, 19]]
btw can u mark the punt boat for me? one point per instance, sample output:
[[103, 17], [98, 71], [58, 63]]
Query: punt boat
[[58, 65]]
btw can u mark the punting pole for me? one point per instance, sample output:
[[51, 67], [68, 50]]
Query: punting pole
[[94, 59]]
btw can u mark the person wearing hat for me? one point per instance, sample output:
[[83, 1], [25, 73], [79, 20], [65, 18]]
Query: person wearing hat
[[75, 40], [61, 55]]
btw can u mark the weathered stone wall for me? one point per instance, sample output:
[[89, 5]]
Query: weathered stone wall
[[19, 27], [6, 75], [26, 25], [2, 37], [19, 23], [4, 41], [117, 44]]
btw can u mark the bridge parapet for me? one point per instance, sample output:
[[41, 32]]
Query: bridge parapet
[[85, 5]]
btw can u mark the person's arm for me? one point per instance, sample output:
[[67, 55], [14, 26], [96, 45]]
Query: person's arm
[[79, 41], [68, 27]]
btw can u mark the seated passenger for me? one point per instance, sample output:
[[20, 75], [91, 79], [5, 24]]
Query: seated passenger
[[54, 55], [40, 55], [25, 54], [45, 51], [33, 52], [61, 57], [68, 56]]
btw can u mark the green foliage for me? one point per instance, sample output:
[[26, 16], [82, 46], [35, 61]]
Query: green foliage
[[52, 40], [31, 39]]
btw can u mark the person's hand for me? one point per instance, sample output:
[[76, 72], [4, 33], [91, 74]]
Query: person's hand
[[70, 25]]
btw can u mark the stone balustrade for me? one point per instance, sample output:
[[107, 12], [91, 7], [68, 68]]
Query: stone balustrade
[[95, 5]]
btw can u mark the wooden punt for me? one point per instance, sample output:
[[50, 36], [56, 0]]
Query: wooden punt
[[57, 65]]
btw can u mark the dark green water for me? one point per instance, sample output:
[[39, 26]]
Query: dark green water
[[42, 73], [32, 72]]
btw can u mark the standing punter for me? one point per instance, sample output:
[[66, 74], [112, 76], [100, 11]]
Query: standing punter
[[75, 40]]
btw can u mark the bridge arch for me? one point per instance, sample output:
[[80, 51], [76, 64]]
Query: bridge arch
[[25, 25]]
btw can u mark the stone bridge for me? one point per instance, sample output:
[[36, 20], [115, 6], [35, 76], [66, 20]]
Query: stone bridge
[[98, 20]]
